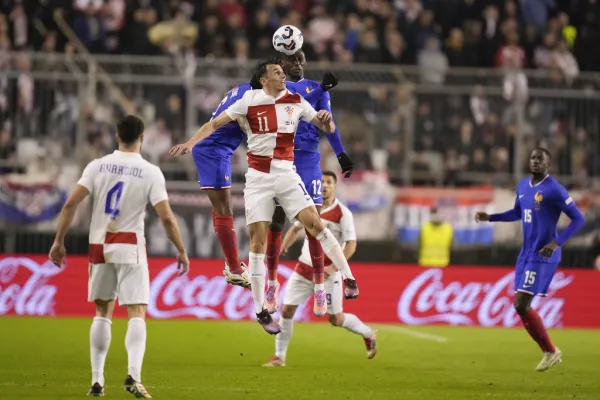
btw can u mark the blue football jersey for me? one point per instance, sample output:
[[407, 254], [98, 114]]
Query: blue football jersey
[[307, 135], [540, 206], [225, 140]]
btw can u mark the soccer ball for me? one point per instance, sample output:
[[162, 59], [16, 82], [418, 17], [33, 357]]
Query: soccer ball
[[288, 40]]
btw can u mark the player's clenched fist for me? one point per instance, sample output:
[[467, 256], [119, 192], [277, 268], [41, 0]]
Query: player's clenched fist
[[324, 116], [179, 150], [481, 216]]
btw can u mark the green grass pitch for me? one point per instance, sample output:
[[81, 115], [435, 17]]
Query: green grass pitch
[[44, 358]]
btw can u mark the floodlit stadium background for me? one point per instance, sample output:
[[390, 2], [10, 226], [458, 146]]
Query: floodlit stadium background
[[439, 104]]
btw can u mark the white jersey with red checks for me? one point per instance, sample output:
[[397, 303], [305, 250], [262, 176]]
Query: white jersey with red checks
[[270, 124], [121, 185], [339, 220]]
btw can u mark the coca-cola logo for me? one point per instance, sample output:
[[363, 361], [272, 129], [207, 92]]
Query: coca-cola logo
[[427, 299], [204, 297], [23, 286]]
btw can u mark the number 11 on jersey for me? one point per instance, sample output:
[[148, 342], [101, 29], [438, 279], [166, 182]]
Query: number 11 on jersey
[[113, 197]]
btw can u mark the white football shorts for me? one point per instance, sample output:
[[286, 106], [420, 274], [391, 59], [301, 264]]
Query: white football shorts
[[130, 283], [299, 289], [262, 188]]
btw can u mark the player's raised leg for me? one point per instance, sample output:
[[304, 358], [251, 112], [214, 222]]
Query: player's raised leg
[[273, 251], [235, 272], [309, 169], [100, 338], [135, 343], [309, 217], [257, 270], [350, 322]]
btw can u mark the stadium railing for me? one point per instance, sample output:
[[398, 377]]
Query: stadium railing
[[375, 104]]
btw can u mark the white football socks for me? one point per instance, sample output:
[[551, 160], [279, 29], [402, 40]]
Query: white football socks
[[282, 340], [257, 271], [135, 343], [353, 324], [100, 335], [333, 250]]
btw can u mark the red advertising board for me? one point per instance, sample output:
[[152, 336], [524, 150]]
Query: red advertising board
[[482, 296]]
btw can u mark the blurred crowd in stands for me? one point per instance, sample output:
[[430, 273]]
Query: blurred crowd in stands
[[452, 133]]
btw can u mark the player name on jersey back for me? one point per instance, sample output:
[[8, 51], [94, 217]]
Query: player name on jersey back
[[121, 185]]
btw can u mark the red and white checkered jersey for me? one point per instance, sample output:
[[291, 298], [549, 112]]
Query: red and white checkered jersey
[[270, 124], [339, 220], [121, 185]]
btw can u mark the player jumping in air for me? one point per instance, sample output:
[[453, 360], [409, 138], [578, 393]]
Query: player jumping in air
[[539, 203], [301, 285], [213, 163], [308, 165], [121, 185], [270, 118]]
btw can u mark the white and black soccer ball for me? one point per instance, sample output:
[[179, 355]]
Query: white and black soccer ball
[[288, 40]]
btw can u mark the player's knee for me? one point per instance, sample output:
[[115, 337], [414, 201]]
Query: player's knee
[[105, 308], [336, 319], [288, 312], [521, 307], [258, 247], [136, 311], [313, 224]]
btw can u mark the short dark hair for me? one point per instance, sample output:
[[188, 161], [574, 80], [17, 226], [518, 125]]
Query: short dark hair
[[331, 174], [545, 151], [261, 69], [130, 129]]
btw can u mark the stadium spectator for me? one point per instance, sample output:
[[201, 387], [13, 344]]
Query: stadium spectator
[[395, 162], [433, 61], [8, 152], [360, 155], [89, 25]]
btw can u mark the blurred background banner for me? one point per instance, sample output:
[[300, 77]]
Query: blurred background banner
[[455, 206], [23, 202], [467, 296]]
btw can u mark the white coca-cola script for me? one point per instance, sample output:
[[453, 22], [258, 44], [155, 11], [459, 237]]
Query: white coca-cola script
[[428, 299], [34, 296], [203, 297]]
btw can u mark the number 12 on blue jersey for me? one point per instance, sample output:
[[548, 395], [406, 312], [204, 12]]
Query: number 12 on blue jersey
[[113, 197]]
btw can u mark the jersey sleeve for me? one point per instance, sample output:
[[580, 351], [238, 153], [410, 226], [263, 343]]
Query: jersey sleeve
[[565, 203], [88, 176], [513, 214], [240, 107], [347, 225], [324, 102], [308, 113], [158, 190], [230, 97]]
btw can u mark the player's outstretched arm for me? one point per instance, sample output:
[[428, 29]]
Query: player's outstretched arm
[[202, 133], [513, 214], [65, 219], [290, 237], [334, 138], [169, 223]]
